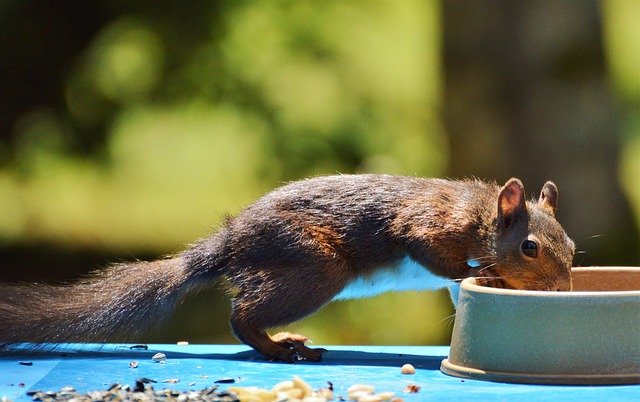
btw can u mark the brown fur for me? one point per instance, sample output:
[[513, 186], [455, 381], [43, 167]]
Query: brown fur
[[296, 248]]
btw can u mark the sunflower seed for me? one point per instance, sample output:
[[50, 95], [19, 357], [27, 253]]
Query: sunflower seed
[[408, 369]]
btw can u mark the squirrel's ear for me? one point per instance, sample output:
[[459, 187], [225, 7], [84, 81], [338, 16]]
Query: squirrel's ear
[[549, 197], [511, 202]]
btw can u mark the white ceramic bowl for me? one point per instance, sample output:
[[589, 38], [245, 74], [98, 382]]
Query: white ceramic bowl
[[590, 335]]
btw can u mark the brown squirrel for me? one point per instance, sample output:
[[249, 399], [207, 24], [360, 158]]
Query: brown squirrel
[[310, 242]]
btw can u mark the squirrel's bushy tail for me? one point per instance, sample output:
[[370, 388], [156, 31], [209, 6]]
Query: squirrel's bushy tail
[[123, 299], [114, 304]]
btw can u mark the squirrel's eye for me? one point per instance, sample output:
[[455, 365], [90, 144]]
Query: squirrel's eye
[[529, 248]]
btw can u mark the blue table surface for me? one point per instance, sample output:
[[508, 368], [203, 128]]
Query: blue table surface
[[96, 367]]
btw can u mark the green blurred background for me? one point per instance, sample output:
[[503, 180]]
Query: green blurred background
[[129, 128]]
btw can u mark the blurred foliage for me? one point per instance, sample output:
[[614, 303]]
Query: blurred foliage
[[131, 128], [276, 91], [622, 34], [528, 93], [181, 120]]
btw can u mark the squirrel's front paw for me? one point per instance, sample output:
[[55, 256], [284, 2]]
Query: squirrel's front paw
[[313, 355]]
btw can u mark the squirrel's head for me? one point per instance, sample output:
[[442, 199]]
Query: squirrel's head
[[532, 251]]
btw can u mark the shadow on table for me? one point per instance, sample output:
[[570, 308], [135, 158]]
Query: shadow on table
[[341, 356], [345, 357]]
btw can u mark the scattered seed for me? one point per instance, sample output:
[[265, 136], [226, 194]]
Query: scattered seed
[[226, 380], [369, 398], [361, 392], [293, 393], [159, 357], [385, 396], [183, 343], [114, 387], [315, 399], [283, 386], [326, 393], [411, 389], [295, 389], [140, 346], [133, 364], [254, 394], [210, 390], [301, 384], [139, 386], [361, 387], [408, 369], [26, 363], [146, 380], [118, 392]]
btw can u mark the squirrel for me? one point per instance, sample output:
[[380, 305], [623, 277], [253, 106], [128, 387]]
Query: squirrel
[[307, 243]]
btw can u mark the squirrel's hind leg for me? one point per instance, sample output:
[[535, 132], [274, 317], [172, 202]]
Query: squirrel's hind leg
[[262, 342], [272, 302], [283, 346]]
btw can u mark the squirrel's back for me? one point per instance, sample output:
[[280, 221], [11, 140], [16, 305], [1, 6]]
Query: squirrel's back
[[365, 219]]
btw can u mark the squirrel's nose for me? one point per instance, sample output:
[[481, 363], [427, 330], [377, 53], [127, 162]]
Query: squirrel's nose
[[564, 284], [561, 285]]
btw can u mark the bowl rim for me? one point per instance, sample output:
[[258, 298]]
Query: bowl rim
[[469, 285], [461, 371]]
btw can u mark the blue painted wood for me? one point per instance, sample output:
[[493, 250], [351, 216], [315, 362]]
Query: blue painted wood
[[93, 367]]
